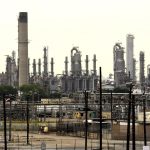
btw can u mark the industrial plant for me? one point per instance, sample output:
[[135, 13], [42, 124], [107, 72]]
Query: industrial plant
[[86, 103], [74, 80]]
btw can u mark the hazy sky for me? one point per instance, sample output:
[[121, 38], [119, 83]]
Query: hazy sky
[[93, 25]]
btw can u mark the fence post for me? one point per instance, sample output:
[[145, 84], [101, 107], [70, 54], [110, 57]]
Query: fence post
[[75, 144], [91, 144]]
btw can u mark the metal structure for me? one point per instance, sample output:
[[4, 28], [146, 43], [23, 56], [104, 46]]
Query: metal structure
[[66, 66], [34, 67], [76, 68], [87, 65], [23, 48], [52, 67], [45, 72], [75, 80], [94, 65], [129, 56], [39, 67], [142, 74], [134, 70], [11, 70], [119, 65]]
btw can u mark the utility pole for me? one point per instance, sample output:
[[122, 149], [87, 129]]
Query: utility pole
[[129, 112], [27, 99], [10, 117], [86, 117], [128, 119], [100, 106], [111, 100], [144, 120], [5, 129], [133, 122]]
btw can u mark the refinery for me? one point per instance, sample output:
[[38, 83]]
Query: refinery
[[18, 71], [85, 108]]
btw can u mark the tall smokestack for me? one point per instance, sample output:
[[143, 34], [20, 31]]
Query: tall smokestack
[[23, 48]]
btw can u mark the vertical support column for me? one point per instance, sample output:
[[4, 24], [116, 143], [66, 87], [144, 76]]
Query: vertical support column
[[39, 67], [87, 65], [111, 102], [66, 66], [128, 119], [100, 106], [34, 67], [52, 67], [133, 122], [144, 116], [27, 119], [94, 65], [10, 118], [86, 118], [5, 129]]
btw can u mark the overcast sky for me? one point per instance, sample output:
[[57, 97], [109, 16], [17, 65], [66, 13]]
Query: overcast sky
[[93, 25]]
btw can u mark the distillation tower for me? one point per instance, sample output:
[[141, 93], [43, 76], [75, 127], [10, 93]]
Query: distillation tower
[[142, 75], [11, 70], [76, 61], [130, 61], [45, 72], [119, 65], [52, 67], [39, 67], [148, 75]]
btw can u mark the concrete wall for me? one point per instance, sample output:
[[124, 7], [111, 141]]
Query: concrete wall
[[119, 132]]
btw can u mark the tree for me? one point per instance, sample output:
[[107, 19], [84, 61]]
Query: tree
[[29, 89], [5, 89]]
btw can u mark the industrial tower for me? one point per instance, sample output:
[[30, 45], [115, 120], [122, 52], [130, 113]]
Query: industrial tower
[[142, 75], [23, 48], [119, 64], [129, 56]]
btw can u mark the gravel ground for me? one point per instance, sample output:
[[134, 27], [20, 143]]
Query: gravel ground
[[53, 142]]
